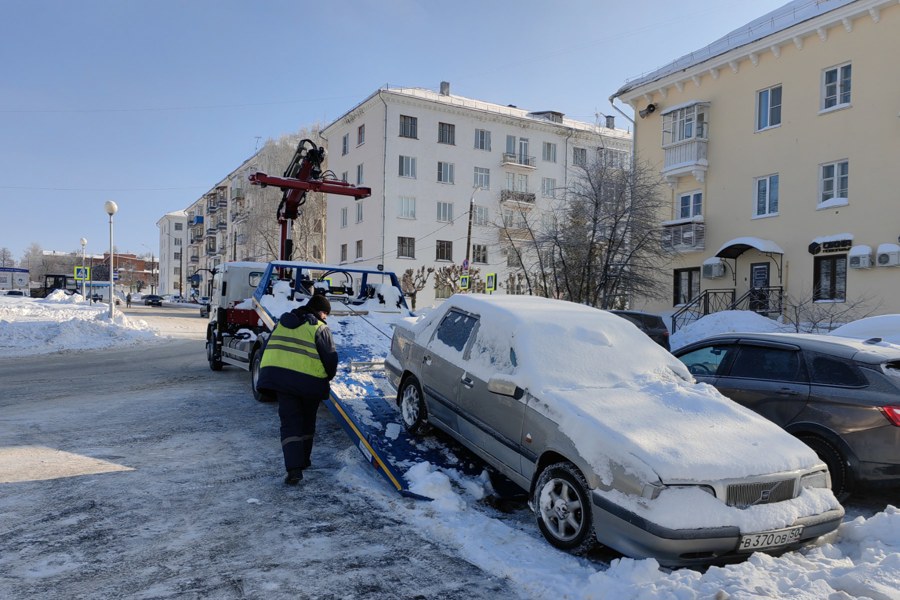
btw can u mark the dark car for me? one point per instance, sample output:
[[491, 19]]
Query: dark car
[[153, 300], [840, 396], [15, 293], [652, 325]]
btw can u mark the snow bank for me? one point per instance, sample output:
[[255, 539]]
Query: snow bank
[[886, 327], [726, 321]]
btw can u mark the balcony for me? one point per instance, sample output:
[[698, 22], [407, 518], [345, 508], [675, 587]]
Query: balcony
[[237, 192], [195, 258], [197, 235], [518, 160], [197, 220], [686, 157], [212, 207], [222, 225], [685, 135], [684, 237], [513, 196]]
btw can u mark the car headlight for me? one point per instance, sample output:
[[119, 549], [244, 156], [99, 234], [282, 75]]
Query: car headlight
[[819, 479]]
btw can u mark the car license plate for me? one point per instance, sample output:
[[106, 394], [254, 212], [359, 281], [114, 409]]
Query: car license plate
[[769, 539]]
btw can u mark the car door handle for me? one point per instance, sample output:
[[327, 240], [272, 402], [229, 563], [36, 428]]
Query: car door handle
[[467, 382], [787, 392], [426, 359]]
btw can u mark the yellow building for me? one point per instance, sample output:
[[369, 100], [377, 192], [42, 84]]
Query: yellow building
[[780, 144]]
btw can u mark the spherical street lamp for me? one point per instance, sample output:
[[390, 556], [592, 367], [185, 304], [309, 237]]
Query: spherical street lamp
[[83, 271], [111, 208]]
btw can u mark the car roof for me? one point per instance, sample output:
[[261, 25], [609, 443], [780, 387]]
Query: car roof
[[859, 350]]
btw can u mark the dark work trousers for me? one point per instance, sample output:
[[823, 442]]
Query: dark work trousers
[[298, 425]]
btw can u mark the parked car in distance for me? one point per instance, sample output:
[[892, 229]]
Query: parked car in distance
[[153, 300], [607, 432], [15, 293], [838, 395], [204, 306], [652, 325]]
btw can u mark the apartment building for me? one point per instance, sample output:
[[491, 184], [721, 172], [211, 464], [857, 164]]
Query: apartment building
[[778, 144], [433, 159], [173, 241]]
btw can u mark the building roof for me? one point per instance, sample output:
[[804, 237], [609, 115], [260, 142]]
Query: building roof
[[778, 20]]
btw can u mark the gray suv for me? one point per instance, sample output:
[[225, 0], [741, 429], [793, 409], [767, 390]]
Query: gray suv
[[607, 432], [840, 396]]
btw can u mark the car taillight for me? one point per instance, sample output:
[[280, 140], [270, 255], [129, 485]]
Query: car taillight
[[892, 413]]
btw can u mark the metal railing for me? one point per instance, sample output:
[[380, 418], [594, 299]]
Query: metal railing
[[513, 196], [766, 301], [510, 158]]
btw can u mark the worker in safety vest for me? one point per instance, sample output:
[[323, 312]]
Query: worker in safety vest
[[298, 364]]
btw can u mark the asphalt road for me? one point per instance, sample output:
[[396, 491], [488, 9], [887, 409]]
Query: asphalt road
[[140, 473]]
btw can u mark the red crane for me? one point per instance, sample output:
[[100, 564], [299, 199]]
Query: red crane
[[304, 174]]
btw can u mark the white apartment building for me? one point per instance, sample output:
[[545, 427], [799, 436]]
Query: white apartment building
[[430, 156], [173, 242]]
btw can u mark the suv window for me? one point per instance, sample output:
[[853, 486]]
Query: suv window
[[455, 329], [831, 371], [707, 360], [770, 364]]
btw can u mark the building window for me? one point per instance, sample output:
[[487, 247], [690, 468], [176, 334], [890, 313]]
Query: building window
[[408, 166], [406, 247], [445, 212], [482, 139], [359, 174], [483, 178], [447, 133], [359, 212], [686, 285], [481, 215], [344, 217], [407, 208], [768, 108], [548, 187], [345, 177], [685, 124], [517, 182], [343, 253], [360, 135], [836, 87], [359, 249], [690, 205], [766, 196], [445, 172], [444, 250], [834, 181], [614, 158], [345, 144], [549, 152], [579, 157], [409, 127], [479, 253], [177, 241], [178, 226], [176, 256], [830, 278]]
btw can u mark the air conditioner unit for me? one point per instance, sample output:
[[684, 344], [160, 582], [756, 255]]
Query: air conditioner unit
[[861, 261], [713, 270], [889, 259]]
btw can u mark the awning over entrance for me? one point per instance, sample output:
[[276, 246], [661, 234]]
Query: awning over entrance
[[738, 246]]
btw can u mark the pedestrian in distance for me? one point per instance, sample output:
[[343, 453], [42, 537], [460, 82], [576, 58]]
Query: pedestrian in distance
[[128, 301], [298, 364]]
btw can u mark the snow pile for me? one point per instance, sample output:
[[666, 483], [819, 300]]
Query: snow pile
[[886, 327], [62, 322], [726, 321]]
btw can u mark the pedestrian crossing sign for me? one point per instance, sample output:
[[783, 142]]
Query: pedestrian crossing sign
[[82, 273]]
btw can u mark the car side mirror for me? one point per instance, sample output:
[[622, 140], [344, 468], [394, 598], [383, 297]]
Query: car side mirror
[[505, 386]]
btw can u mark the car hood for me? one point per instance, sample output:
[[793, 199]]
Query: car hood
[[671, 429]]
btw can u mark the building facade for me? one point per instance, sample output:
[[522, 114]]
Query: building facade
[[778, 143], [173, 241], [433, 160]]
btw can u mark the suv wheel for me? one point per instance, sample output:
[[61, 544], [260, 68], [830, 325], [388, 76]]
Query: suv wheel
[[838, 468], [563, 508]]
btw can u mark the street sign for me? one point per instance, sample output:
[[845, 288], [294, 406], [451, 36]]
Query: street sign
[[464, 282], [82, 273], [465, 264], [490, 282]]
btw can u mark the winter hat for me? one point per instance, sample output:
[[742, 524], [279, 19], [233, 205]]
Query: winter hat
[[319, 303]]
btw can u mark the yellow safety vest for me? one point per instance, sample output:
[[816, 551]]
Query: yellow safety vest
[[295, 350]]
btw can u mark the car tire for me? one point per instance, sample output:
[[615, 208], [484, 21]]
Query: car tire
[[562, 505], [255, 362], [214, 358], [411, 403], [838, 467]]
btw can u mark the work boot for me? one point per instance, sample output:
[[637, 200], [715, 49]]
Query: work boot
[[293, 476]]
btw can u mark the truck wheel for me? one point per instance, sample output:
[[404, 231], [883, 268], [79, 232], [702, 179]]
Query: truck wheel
[[562, 505], [260, 396], [214, 358], [411, 403]]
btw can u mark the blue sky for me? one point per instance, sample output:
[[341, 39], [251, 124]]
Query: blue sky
[[150, 103]]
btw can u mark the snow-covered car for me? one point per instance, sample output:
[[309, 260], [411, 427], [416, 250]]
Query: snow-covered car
[[609, 433]]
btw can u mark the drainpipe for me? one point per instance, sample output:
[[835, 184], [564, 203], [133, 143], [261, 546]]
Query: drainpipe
[[384, 179]]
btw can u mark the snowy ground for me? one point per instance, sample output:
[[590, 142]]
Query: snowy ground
[[122, 518]]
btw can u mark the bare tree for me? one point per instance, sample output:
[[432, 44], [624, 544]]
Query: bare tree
[[601, 244], [448, 278], [6, 258], [412, 282], [807, 314]]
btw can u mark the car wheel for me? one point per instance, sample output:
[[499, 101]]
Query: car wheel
[[412, 407], [255, 362], [562, 505], [838, 468], [214, 358]]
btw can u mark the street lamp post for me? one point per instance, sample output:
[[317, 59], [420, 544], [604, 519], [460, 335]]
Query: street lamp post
[[83, 271], [111, 208]]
